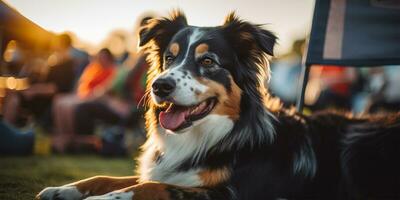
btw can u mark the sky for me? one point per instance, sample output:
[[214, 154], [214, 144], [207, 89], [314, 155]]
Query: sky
[[93, 20]]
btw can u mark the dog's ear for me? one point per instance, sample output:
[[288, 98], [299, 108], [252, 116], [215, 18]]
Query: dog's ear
[[246, 37], [251, 43], [161, 31]]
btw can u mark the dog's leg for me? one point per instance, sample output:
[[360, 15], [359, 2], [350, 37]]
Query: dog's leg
[[160, 191], [97, 185]]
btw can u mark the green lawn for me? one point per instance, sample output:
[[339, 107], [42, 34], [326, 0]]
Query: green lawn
[[23, 177]]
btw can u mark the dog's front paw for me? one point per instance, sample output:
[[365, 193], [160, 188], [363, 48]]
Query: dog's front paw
[[60, 193], [117, 195]]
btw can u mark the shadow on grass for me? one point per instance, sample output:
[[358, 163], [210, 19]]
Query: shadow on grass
[[24, 177]]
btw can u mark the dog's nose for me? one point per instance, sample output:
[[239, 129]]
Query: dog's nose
[[163, 87]]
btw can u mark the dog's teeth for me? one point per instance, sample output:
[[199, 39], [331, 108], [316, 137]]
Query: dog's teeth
[[194, 110], [202, 105], [198, 108]]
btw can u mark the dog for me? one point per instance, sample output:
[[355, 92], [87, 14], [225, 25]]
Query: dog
[[214, 134]]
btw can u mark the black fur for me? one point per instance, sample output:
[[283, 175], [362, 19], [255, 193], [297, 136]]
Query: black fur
[[274, 154], [161, 32]]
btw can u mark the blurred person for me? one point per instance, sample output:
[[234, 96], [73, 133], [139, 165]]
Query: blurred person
[[384, 88], [82, 60], [116, 110], [286, 72], [120, 101], [97, 75], [80, 57], [119, 106], [117, 43], [94, 82], [392, 80], [58, 78], [334, 85]]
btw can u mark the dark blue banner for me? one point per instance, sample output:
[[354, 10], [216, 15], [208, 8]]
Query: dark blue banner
[[355, 33]]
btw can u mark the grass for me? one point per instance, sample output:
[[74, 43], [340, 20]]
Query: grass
[[24, 177]]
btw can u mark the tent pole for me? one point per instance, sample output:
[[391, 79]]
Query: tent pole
[[305, 71]]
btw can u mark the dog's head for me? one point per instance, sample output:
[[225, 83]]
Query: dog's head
[[198, 72]]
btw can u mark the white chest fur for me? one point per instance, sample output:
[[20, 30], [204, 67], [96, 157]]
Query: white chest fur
[[176, 148]]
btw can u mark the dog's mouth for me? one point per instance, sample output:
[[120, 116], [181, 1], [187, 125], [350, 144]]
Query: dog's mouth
[[177, 117]]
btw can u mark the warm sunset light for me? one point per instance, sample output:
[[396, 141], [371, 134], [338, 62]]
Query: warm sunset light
[[93, 20], [199, 99]]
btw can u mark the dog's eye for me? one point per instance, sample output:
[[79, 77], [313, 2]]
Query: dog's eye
[[169, 59], [207, 62]]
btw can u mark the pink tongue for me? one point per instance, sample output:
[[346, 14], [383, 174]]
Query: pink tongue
[[172, 119]]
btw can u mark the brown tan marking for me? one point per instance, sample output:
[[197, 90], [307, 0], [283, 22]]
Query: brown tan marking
[[215, 176], [160, 191], [201, 49], [150, 191], [174, 48], [99, 185], [229, 103]]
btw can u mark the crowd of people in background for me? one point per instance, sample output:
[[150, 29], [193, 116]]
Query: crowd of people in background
[[81, 102], [356, 89]]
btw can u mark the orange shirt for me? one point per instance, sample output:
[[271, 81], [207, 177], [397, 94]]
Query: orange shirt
[[94, 77]]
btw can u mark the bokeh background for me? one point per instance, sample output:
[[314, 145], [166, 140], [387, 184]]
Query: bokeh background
[[72, 81]]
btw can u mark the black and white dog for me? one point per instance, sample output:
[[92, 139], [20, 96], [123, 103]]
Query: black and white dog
[[212, 134]]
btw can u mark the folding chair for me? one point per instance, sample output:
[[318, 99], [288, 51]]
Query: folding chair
[[357, 33]]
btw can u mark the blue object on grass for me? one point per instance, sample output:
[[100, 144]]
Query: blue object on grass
[[15, 142], [113, 141]]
